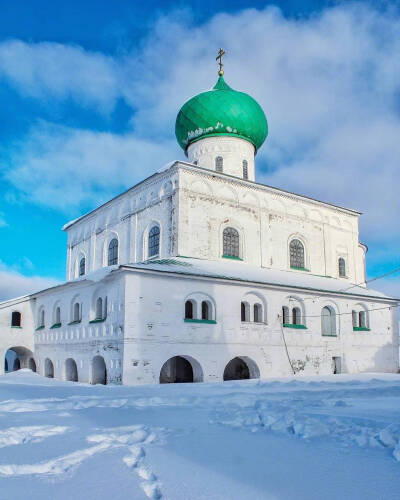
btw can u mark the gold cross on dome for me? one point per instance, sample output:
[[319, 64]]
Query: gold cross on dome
[[221, 53]]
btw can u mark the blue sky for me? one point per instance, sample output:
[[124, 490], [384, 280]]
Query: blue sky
[[89, 92]]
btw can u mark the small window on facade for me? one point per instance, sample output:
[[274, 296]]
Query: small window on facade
[[189, 310], [113, 252], [328, 322], [342, 267], [285, 315], [297, 254], [354, 317], [154, 241], [230, 242], [41, 318], [196, 162], [219, 164], [82, 266], [76, 316], [257, 313], [16, 319], [296, 316], [243, 311], [205, 310], [57, 316], [245, 170], [99, 308], [362, 319]]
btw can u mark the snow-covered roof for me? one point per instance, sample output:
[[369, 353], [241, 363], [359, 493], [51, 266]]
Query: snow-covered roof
[[240, 271]]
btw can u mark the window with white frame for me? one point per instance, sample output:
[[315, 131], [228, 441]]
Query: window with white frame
[[328, 321], [231, 242], [113, 252], [297, 257], [342, 267], [219, 164], [154, 241]]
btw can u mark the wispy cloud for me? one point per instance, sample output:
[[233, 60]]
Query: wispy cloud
[[51, 70], [15, 284], [329, 85]]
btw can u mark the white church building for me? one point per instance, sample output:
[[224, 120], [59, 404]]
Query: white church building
[[199, 273]]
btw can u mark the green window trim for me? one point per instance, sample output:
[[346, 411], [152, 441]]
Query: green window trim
[[231, 257], [97, 320], [298, 327], [74, 322], [299, 268], [361, 329], [206, 321], [56, 325], [40, 327], [19, 327]]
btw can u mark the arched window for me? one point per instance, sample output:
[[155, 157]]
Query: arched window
[[257, 313], [16, 319], [245, 311], [342, 267], [154, 241], [99, 308], [328, 321], [113, 252], [297, 254], [41, 317], [362, 319], [219, 164], [205, 310], [354, 317], [76, 312], [189, 309], [230, 242], [57, 316], [82, 266], [285, 315], [296, 316], [245, 169]]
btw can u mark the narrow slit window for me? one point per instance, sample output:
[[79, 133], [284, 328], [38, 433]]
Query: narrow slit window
[[219, 164], [245, 169]]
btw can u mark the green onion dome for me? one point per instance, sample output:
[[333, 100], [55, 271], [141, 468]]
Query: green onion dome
[[221, 111]]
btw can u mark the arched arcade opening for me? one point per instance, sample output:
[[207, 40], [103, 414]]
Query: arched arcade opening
[[181, 369], [241, 368], [48, 368], [18, 357], [99, 371], [71, 370]]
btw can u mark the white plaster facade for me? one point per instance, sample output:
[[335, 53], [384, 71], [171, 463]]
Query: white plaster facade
[[142, 324]]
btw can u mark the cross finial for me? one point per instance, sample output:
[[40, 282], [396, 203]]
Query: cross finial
[[221, 53]]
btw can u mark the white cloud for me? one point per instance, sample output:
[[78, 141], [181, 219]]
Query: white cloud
[[15, 284], [66, 168], [329, 85], [47, 69]]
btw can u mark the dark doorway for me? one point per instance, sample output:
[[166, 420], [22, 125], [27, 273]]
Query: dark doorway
[[236, 369], [99, 371], [32, 364], [176, 370]]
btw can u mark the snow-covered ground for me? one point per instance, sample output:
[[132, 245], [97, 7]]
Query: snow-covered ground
[[308, 438]]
